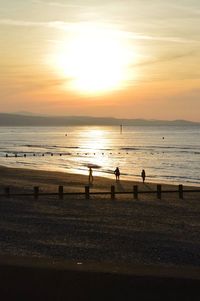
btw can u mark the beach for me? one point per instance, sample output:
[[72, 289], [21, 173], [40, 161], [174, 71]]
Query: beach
[[96, 249], [144, 231]]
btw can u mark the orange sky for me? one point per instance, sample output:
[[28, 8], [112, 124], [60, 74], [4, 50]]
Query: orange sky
[[130, 59]]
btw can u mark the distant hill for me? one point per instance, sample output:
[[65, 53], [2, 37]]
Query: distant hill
[[7, 119]]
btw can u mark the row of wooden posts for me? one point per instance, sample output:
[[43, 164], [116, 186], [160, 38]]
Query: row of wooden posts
[[52, 154], [87, 193]]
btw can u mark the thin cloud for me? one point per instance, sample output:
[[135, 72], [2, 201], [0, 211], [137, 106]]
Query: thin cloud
[[27, 83], [58, 4], [86, 26], [21, 23], [62, 5], [139, 36], [11, 22], [167, 58], [187, 10]]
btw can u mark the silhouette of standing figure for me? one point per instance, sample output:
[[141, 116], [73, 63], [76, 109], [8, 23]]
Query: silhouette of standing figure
[[117, 173], [143, 175], [90, 175]]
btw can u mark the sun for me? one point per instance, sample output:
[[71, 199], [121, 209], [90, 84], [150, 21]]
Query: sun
[[94, 60]]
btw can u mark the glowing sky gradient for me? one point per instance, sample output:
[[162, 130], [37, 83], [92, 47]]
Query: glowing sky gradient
[[153, 72]]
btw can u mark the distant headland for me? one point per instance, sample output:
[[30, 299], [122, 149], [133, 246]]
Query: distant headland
[[9, 119]]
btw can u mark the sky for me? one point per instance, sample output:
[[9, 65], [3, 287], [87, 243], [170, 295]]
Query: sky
[[125, 59]]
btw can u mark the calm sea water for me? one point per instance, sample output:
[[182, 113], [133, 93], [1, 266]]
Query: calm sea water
[[167, 153]]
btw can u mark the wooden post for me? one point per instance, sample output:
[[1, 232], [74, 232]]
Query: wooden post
[[7, 192], [180, 191], [112, 192], [60, 192], [159, 190], [135, 192], [87, 192], [36, 192]]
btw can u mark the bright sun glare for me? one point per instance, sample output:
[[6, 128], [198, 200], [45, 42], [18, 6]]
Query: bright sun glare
[[94, 60]]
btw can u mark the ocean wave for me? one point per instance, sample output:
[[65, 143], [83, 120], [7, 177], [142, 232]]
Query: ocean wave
[[159, 149], [174, 177], [50, 146], [139, 147]]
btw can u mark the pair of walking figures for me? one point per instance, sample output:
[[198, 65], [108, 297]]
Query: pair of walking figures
[[117, 174]]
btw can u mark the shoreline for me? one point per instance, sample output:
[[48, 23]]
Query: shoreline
[[10, 173], [105, 175]]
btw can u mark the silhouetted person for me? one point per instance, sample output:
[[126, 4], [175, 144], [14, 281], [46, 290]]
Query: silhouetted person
[[117, 173], [90, 175], [143, 175]]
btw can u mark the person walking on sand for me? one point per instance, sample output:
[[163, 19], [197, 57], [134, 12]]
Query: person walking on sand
[[117, 173], [143, 175], [90, 175]]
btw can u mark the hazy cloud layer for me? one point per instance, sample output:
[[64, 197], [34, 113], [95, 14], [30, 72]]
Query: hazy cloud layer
[[164, 35], [81, 27]]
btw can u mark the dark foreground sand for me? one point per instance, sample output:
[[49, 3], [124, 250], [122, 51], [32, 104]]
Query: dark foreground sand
[[146, 231], [97, 249], [36, 279]]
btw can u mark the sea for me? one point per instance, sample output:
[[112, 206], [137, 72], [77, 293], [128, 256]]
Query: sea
[[169, 154]]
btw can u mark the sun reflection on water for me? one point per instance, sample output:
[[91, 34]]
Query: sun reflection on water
[[95, 143]]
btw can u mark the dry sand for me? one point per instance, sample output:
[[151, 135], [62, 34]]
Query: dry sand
[[146, 231]]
